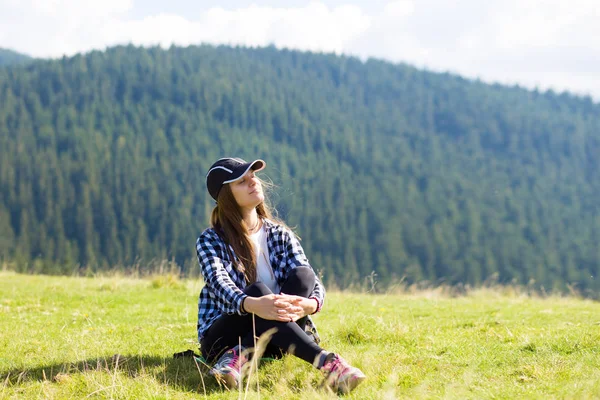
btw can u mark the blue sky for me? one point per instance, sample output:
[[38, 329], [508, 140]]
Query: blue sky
[[548, 44]]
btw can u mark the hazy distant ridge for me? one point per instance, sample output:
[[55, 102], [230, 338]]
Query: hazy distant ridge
[[10, 57]]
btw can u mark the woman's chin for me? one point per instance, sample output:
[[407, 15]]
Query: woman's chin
[[254, 202]]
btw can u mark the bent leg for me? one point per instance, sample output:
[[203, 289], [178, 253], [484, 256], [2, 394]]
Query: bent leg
[[226, 332], [289, 337], [230, 329], [300, 282]]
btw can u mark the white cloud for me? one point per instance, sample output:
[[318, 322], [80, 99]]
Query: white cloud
[[399, 8], [550, 43], [52, 28], [544, 43], [57, 27], [546, 23], [314, 27]]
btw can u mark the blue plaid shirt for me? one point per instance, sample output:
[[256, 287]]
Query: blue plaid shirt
[[222, 292]]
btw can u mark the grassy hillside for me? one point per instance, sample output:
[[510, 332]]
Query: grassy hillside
[[60, 336]]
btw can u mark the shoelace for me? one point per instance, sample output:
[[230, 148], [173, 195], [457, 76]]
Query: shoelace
[[231, 364], [335, 365]]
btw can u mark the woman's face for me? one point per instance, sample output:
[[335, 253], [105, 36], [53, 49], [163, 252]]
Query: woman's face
[[247, 191]]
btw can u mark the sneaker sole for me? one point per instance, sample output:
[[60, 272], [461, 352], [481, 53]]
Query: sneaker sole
[[351, 384], [228, 380]]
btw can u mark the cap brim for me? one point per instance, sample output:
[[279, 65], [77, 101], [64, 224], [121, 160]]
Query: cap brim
[[239, 172]]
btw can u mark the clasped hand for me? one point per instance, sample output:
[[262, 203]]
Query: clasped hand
[[280, 307]]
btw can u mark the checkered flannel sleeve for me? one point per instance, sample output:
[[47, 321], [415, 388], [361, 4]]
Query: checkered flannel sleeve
[[296, 258], [227, 296]]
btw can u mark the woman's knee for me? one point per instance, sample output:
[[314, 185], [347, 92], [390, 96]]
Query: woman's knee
[[257, 289], [303, 273], [302, 278]]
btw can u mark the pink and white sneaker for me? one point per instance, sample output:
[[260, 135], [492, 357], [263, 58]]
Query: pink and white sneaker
[[341, 376], [228, 369]]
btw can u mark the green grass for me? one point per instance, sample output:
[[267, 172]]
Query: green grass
[[59, 336]]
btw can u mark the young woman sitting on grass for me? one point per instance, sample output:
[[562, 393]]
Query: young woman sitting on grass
[[257, 278]]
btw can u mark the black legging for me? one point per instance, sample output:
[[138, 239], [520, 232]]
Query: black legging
[[227, 331]]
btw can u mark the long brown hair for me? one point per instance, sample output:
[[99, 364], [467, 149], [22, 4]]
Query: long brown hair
[[226, 218]]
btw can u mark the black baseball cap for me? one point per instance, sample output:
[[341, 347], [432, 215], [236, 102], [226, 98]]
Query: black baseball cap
[[227, 170]]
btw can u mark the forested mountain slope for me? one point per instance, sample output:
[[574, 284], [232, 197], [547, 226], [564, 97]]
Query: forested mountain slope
[[10, 57], [380, 167]]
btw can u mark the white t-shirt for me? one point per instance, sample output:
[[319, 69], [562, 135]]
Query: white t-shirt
[[264, 271]]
